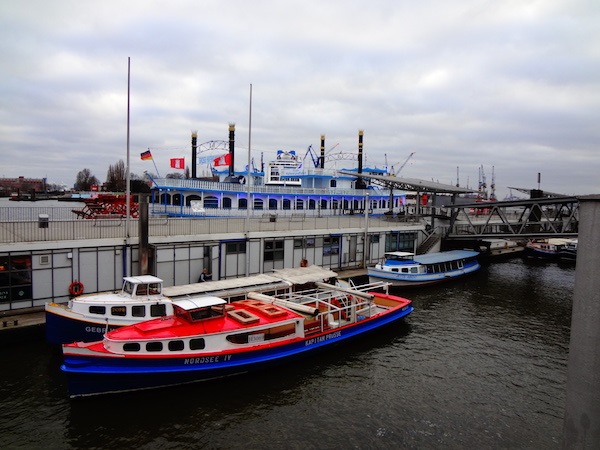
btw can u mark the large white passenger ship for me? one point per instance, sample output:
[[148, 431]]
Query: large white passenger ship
[[286, 186]]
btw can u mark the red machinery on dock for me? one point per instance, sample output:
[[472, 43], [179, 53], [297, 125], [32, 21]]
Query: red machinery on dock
[[107, 206]]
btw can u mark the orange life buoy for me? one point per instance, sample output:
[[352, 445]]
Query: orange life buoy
[[76, 288]]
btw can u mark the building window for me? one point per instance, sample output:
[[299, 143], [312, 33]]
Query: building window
[[226, 203], [331, 245], [272, 204], [242, 203], [15, 278], [273, 251], [287, 204], [235, 247], [258, 203], [397, 241]]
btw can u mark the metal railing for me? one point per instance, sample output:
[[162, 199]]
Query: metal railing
[[62, 230]]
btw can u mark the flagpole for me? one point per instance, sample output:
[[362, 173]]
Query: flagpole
[[154, 162], [248, 181], [128, 176]]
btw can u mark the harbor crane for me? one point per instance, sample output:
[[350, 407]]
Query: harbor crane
[[395, 173]]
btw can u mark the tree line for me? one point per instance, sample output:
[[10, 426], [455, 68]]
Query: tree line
[[116, 179]]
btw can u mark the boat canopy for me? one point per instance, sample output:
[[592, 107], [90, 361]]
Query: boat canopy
[[302, 275], [441, 257], [279, 279], [189, 304], [143, 279], [399, 254]]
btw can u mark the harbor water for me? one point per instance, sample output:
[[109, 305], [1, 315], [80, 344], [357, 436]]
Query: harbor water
[[480, 363]]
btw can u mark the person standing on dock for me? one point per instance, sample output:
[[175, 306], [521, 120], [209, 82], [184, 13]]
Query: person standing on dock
[[205, 276]]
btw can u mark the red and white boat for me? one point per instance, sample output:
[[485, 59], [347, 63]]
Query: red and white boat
[[88, 317], [208, 338]]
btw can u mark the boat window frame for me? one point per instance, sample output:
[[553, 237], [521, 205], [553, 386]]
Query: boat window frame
[[160, 307], [131, 347], [178, 343], [136, 309], [197, 344], [101, 309], [154, 346], [118, 310]]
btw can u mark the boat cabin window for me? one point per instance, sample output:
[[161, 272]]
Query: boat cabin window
[[197, 344], [158, 310], [414, 270], [175, 346], [138, 311], [207, 313], [128, 287], [131, 347], [154, 346], [97, 309], [142, 289], [118, 311], [154, 288]]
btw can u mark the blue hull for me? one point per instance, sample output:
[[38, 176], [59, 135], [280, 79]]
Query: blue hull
[[63, 330], [402, 279], [89, 375]]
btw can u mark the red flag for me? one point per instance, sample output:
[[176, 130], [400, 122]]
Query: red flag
[[224, 160], [146, 156], [178, 163]]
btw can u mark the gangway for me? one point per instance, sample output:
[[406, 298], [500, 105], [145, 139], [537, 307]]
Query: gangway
[[529, 218]]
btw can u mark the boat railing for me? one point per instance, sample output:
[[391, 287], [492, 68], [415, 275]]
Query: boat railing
[[185, 184]]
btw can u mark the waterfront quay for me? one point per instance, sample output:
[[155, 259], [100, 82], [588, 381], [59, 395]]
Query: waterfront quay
[[42, 259]]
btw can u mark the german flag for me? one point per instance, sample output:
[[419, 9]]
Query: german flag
[[146, 156]]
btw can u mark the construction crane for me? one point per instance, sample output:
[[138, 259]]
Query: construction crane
[[395, 173]]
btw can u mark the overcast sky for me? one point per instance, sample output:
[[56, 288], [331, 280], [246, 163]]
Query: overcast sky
[[512, 86]]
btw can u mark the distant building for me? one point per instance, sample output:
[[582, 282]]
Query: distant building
[[21, 185]]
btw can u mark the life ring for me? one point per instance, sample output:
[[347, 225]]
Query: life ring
[[76, 288]]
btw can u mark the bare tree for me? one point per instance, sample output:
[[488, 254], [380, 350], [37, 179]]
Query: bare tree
[[116, 177], [85, 180]]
